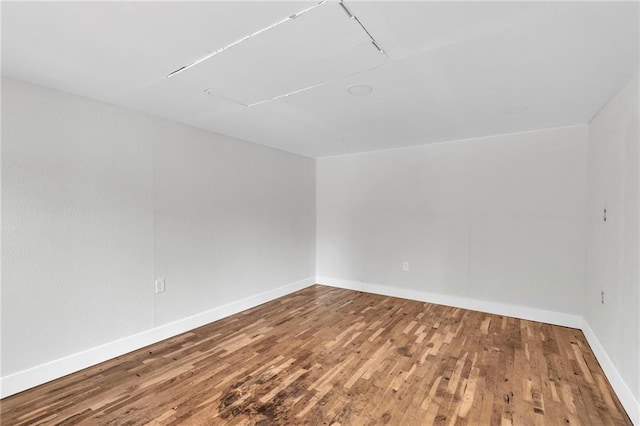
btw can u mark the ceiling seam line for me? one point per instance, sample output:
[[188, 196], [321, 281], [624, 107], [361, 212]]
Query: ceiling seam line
[[211, 92], [355, 18], [304, 89], [245, 38]]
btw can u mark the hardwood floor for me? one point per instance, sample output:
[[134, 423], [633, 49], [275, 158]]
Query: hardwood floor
[[327, 356]]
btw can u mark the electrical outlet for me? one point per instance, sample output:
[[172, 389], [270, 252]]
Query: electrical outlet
[[405, 266], [604, 215], [160, 285], [602, 297]]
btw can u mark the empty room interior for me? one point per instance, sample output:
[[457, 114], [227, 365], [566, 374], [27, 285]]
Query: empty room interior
[[320, 213]]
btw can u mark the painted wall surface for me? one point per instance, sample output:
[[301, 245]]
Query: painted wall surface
[[77, 224], [98, 201], [613, 246], [500, 219], [232, 219]]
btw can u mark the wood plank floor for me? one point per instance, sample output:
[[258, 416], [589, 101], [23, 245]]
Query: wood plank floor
[[327, 356]]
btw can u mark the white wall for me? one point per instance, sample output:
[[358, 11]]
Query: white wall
[[613, 246], [232, 219], [97, 201], [500, 219], [77, 224]]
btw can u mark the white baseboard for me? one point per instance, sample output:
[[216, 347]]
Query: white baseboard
[[622, 390], [524, 312], [626, 397], [43, 373]]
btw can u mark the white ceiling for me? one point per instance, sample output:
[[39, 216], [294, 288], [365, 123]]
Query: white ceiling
[[450, 70]]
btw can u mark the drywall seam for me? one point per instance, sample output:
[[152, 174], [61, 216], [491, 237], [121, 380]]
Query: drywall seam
[[43, 373], [623, 392]]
